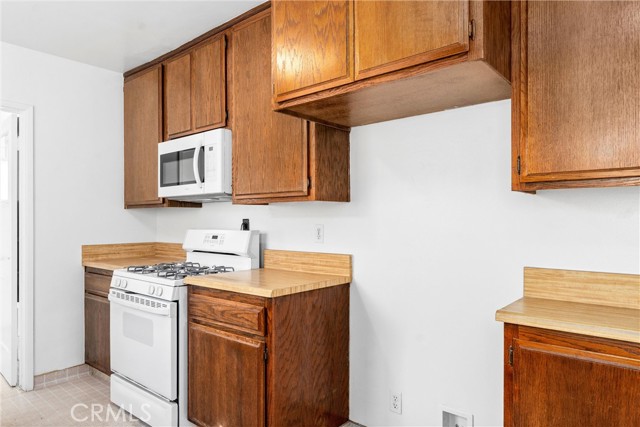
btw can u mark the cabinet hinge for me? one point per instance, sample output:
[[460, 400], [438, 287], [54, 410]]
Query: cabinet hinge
[[510, 355], [226, 114], [308, 183], [472, 28], [518, 165], [266, 354]]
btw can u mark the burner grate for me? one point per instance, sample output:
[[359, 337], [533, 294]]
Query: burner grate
[[179, 270]]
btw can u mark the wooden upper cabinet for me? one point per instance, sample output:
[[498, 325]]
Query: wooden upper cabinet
[[195, 89], [277, 157], [392, 35], [209, 86], [142, 133], [575, 109], [177, 97], [270, 149], [385, 60], [313, 43]]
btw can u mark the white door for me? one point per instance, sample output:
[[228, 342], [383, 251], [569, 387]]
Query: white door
[[9, 247]]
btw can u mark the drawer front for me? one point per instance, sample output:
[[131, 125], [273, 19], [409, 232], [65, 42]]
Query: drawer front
[[97, 284], [237, 315]]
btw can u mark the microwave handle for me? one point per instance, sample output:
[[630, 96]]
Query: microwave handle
[[196, 158]]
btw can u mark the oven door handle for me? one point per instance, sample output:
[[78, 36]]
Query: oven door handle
[[196, 160], [167, 311]]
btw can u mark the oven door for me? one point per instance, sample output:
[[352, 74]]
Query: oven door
[[144, 341]]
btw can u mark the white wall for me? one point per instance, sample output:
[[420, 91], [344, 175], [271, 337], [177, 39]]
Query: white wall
[[78, 187], [439, 243]]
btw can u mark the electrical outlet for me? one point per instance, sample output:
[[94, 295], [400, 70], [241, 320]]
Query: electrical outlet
[[318, 233], [455, 418], [395, 402]]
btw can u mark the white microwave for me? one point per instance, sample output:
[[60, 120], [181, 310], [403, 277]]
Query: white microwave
[[196, 168]]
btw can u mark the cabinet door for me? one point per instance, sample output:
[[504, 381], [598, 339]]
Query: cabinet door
[[575, 103], [557, 386], [313, 43], [142, 133], [391, 35], [226, 378], [177, 96], [96, 333], [269, 149], [208, 88]]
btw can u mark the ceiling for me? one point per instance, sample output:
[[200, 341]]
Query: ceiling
[[116, 35]]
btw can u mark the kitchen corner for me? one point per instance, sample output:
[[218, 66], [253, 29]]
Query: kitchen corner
[[248, 330]]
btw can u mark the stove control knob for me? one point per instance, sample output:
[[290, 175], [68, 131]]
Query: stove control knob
[[116, 283], [159, 291], [123, 283], [152, 289]]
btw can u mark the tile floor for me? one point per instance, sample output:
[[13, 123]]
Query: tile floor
[[66, 404], [81, 401]]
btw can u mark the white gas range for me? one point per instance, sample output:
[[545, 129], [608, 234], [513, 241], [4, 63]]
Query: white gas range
[[148, 308]]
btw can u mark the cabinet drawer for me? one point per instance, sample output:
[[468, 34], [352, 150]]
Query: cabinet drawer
[[238, 315], [97, 284]]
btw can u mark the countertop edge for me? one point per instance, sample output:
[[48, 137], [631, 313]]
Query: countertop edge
[[602, 331], [327, 281]]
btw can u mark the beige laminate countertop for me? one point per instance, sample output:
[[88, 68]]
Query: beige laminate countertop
[[602, 305], [285, 272], [267, 282], [121, 255], [587, 319]]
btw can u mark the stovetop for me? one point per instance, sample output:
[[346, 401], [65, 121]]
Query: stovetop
[[178, 270]]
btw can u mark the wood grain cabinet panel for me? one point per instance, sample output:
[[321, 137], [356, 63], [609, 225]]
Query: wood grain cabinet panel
[[295, 373], [209, 85], [177, 96], [391, 35], [235, 380], [142, 133], [575, 96], [195, 89], [555, 379], [312, 46], [277, 157], [409, 58], [97, 349]]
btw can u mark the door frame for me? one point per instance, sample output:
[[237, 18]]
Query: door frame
[[26, 238]]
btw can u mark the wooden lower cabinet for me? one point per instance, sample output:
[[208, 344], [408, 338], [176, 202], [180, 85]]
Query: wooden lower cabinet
[[238, 376], [96, 319], [274, 362], [560, 379]]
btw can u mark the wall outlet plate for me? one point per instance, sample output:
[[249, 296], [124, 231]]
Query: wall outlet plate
[[455, 418], [395, 402], [318, 233]]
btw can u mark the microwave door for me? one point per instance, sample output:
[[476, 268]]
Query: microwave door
[[181, 172]]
